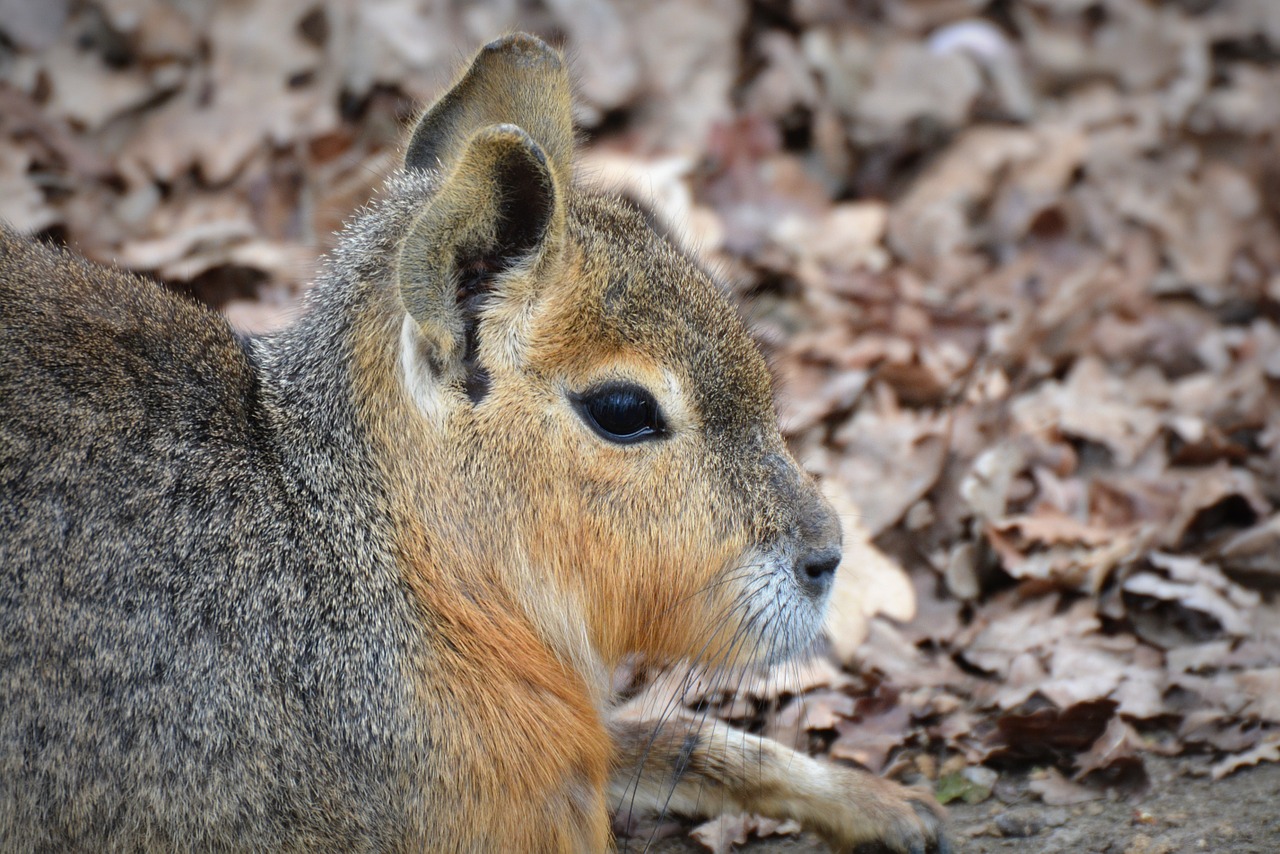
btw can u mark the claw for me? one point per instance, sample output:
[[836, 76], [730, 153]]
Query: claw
[[909, 821], [932, 822]]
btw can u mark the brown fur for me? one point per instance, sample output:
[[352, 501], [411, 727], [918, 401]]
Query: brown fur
[[361, 585]]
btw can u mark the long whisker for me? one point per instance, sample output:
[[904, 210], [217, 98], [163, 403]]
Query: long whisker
[[677, 699], [745, 638], [732, 648], [742, 633]]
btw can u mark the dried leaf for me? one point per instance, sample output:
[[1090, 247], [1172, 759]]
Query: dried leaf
[[1267, 751], [1056, 790], [870, 738], [868, 583], [722, 834], [1095, 404], [892, 457]]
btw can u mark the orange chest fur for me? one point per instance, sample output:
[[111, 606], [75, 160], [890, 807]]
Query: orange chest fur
[[514, 727]]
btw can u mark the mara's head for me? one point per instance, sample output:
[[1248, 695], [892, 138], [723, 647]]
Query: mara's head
[[590, 427]]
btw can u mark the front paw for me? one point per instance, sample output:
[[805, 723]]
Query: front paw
[[921, 833], [880, 815]]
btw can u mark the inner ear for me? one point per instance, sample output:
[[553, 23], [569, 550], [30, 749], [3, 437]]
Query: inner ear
[[495, 217], [522, 209], [473, 292], [523, 206]]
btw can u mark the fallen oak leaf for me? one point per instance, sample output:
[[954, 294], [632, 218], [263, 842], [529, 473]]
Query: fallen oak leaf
[[1113, 757], [890, 457], [1267, 751], [1052, 546], [870, 738], [722, 834], [1195, 600], [868, 583], [1262, 686], [821, 710], [1041, 730], [1056, 790]]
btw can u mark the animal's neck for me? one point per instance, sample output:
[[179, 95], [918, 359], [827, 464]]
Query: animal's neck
[[455, 552], [462, 577]]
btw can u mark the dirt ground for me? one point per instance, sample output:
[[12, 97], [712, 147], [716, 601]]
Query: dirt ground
[[1179, 812]]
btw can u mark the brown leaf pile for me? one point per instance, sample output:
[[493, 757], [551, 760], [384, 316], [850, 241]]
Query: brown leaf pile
[[1018, 265]]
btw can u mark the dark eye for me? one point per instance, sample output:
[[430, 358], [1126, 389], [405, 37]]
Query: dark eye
[[621, 413]]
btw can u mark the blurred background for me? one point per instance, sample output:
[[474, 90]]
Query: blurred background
[[1017, 263]]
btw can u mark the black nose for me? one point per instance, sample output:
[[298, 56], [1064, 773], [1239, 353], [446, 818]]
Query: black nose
[[816, 570]]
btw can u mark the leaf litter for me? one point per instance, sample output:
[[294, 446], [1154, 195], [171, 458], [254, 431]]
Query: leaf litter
[[1016, 265]]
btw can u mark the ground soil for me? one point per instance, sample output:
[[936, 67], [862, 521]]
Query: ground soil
[[1178, 812]]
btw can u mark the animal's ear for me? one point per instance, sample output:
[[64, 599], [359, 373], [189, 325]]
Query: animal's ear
[[517, 79], [498, 209]]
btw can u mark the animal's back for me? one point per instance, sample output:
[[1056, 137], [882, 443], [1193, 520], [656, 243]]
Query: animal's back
[[162, 641]]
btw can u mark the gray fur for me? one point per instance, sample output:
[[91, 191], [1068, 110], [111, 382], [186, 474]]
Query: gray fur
[[202, 628]]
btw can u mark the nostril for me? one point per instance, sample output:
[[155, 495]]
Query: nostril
[[816, 570]]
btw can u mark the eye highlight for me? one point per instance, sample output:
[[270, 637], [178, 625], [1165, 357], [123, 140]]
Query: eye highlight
[[621, 413]]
